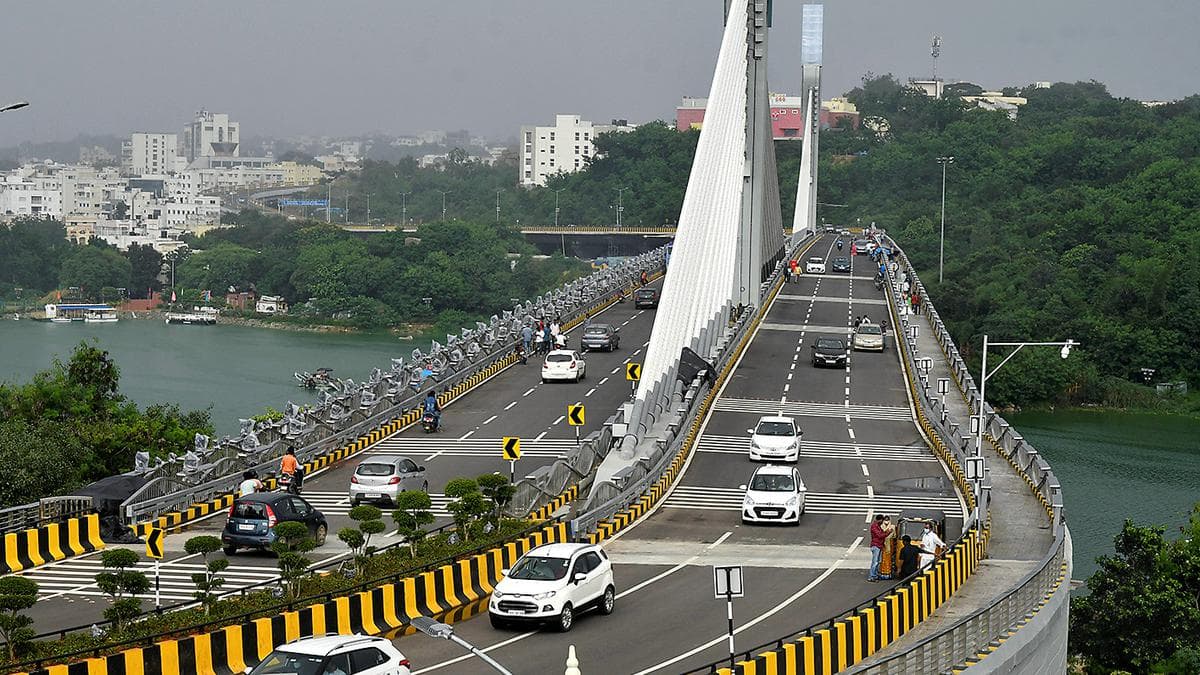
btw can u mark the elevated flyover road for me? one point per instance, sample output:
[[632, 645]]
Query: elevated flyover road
[[861, 454], [513, 403]]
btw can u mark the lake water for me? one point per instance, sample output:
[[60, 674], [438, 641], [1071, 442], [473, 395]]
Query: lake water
[[1112, 465]]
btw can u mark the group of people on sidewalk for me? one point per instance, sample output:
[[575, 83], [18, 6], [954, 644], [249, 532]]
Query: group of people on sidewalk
[[543, 337], [911, 556]]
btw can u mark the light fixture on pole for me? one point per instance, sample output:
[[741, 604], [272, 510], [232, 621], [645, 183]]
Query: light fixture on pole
[[978, 423], [404, 209], [444, 193], [14, 106], [562, 237], [948, 159], [620, 203], [446, 632], [368, 209], [498, 191]]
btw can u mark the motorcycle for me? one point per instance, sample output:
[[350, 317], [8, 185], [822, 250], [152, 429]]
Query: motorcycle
[[429, 422], [290, 483], [839, 244]]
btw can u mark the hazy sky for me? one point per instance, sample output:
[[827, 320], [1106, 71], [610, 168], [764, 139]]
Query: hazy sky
[[352, 66]]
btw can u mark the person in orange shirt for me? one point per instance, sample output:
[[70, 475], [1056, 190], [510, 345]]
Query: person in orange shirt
[[289, 467]]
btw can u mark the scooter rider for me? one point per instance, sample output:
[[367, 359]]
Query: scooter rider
[[289, 470], [432, 408], [839, 244]]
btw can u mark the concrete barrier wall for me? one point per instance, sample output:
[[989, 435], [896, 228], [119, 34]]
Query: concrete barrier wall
[[456, 586], [53, 541]]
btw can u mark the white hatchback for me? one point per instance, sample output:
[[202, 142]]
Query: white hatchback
[[775, 438], [775, 494], [815, 266], [552, 584], [358, 654], [563, 364]]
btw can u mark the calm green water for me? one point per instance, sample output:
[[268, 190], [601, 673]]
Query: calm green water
[[235, 369], [1115, 466]]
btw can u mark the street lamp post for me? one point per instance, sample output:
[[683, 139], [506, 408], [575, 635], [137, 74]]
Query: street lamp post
[[368, 209], [498, 191], [14, 106], [620, 206], [446, 632], [561, 236], [444, 193], [985, 375], [948, 159], [404, 209]]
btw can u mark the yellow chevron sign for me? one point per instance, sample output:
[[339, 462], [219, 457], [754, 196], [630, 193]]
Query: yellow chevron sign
[[633, 372], [512, 448], [575, 415], [154, 543]]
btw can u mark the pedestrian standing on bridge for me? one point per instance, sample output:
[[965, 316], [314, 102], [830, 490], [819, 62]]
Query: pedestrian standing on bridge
[[931, 545], [787, 273], [645, 278], [910, 558], [916, 302], [526, 337], [547, 339], [878, 535]]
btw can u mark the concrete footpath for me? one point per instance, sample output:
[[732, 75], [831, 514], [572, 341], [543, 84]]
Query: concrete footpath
[[1020, 530]]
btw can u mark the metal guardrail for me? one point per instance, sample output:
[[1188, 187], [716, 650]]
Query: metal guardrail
[[43, 511], [972, 634]]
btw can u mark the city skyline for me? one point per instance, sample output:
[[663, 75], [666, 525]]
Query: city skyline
[[321, 70]]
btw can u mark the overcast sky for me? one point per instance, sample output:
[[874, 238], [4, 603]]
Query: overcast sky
[[400, 66]]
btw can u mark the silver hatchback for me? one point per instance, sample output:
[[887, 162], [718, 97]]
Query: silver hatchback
[[378, 479]]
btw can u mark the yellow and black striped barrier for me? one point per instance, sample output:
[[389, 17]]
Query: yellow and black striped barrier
[[384, 609], [547, 511], [53, 541]]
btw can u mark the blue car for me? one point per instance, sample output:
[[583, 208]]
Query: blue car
[[252, 520]]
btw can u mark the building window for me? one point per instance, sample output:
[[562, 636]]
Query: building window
[[585, 135], [576, 135], [551, 135]]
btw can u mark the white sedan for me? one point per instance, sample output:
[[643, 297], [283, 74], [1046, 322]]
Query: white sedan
[[775, 494], [775, 438], [815, 266], [563, 364]]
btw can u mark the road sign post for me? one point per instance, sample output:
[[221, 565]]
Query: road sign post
[[727, 583], [511, 450], [633, 373], [575, 417], [154, 549]]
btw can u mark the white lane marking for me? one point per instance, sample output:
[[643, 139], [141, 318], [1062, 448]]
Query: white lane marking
[[758, 619], [615, 371], [589, 393], [847, 392], [560, 418], [466, 435], [529, 392], [510, 405], [847, 379], [540, 436], [628, 591], [603, 381], [488, 420], [864, 469], [851, 432], [787, 387], [870, 491], [637, 352], [790, 374]]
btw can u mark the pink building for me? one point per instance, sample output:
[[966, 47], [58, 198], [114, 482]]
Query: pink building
[[787, 114]]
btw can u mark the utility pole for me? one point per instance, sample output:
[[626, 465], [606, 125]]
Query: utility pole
[[562, 237], [346, 213], [498, 191], [620, 203], [368, 209], [948, 159], [404, 209], [328, 201], [444, 193]]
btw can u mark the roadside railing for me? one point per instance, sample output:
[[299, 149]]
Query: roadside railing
[[43, 511]]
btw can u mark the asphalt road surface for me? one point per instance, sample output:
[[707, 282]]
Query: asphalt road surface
[[861, 454]]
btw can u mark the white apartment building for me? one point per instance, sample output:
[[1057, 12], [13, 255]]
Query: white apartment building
[[211, 135], [564, 147], [24, 193], [149, 154]]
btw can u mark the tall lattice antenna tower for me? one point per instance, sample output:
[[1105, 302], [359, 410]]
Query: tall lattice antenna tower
[[935, 50]]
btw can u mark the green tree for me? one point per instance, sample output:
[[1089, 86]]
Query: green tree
[[498, 490], [122, 584], [292, 541], [145, 265], [468, 505], [207, 582], [16, 595], [41, 459], [359, 538], [92, 268], [412, 514]]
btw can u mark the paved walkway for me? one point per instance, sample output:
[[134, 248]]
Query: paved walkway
[[1020, 534]]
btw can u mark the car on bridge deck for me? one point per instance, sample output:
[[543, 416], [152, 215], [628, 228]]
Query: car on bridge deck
[[645, 297], [868, 337], [252, 520], [357, 654], [775, 494], [600, 336], [552, 584], [828, 352], [814, 265], [384, 478], [563, 364], [841, 264], [775, 438]]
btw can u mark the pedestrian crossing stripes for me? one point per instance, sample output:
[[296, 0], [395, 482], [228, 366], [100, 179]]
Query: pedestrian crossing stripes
[[338, 504], [469, 447], [811, 409], [702, 498], [77, 577], [740, 445]]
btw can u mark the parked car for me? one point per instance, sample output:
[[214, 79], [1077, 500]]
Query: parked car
[[775, 494], [841, 264], [552, 584], [829, 352], [868, 337], [384, 478], [252, 520], [600, 336], [357, 654], [815, 265], [645, 297], [775, 437], [563, 364]]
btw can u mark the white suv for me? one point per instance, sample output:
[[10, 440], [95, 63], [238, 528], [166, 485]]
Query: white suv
[[815, 265], [357, 654], [551, 584], [775, 494]]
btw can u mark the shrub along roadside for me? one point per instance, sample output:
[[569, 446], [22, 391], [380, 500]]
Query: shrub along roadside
[[395, 562]]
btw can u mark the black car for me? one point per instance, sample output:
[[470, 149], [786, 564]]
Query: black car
[[252, 520], [829, 352], [841, 264], [600, 336], [645, 297]]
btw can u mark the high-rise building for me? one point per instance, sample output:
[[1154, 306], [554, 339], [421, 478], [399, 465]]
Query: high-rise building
[[149, 154], [565, 147], [211, 135]]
